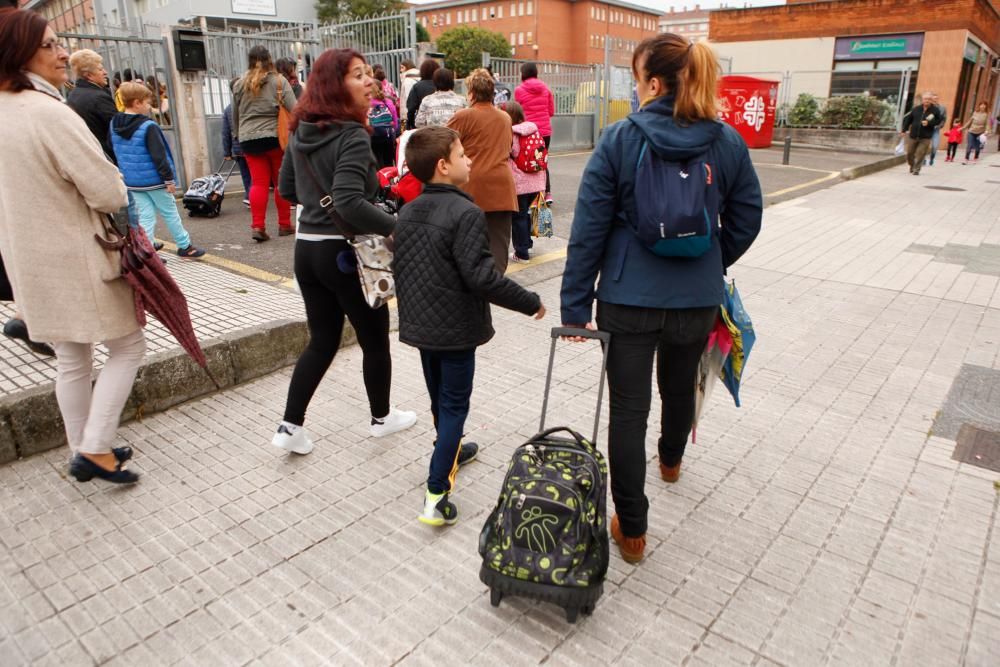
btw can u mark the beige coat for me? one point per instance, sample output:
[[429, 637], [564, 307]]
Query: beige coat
[[54, 179]]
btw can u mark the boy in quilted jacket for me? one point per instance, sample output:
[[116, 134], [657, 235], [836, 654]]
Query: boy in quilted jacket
[[445, 281]]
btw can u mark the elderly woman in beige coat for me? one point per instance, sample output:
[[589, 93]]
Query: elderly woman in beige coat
[[57, 185]]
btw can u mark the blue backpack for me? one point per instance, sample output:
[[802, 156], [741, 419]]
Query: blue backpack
[[677, 205]]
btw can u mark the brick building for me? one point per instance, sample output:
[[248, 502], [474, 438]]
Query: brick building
[[882, 47], [689, 23], [563, 30]]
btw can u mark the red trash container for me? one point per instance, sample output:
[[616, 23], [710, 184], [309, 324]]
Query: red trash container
[[751, 109]]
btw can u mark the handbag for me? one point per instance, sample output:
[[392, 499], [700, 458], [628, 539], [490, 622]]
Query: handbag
[[284, 118], [541, 217], [372, 251]]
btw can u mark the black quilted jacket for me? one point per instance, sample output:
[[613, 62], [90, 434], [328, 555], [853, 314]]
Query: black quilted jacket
[[445, 275]]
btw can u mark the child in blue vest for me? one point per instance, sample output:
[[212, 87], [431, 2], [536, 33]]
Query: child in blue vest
[[147, 166]]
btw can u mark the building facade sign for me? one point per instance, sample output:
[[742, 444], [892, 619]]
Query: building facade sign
[[258, 7], [878, 47]]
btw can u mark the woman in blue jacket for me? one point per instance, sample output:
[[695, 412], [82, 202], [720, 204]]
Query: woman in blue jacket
[[652, 304]]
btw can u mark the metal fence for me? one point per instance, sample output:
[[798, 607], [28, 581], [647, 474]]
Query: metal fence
[[134, 58], [385, 40], [572, 85]]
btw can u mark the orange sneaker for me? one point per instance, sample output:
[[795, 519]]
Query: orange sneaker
[[631, 548], [670, 473]]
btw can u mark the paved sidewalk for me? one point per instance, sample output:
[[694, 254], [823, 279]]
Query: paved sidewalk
[[822, 523]]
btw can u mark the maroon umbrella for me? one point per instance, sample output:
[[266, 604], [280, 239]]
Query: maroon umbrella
[[155, 290]]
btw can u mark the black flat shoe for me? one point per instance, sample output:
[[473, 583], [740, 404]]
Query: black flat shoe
[[84, 470], [18, 330], [157, 245]]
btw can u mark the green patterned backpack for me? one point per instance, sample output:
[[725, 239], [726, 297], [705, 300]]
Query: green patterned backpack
[[547, 538]]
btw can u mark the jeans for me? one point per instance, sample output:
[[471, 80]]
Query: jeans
[[264, 173], [973, 145], [91, 412], [520, 225], [678, 338], [449, 382], [329, 296], [916, 149], [151, 202], [241, 162], [935, 142]]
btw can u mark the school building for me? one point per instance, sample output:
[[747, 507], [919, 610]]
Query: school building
[[881, 47], [562, 30]]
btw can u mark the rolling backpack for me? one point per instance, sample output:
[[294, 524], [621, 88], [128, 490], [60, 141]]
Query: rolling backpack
[[677, 204], [547, 537], [532, 156], [380, 119]]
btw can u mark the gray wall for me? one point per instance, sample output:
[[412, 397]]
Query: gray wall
[[572, 132], [287, 11]]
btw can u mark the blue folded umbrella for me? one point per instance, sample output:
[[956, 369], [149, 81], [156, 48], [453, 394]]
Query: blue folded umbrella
[[738, 322]]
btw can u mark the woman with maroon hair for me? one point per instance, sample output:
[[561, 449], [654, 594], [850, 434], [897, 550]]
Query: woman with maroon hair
[[57, 187], [329, 155]]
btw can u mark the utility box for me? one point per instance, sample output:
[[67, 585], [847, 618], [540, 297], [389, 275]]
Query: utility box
[[751, 106], [189, 50]]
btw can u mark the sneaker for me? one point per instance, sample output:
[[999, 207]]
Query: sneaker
[[631, 548], [548, 198], [396, 420], [518, 260], [467, 452], [190, 252], [296, 443], [438, 510], [246, 202]]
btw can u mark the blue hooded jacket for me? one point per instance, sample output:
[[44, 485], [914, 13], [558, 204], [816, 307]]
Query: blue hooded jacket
[[142, 152], [602, 243]]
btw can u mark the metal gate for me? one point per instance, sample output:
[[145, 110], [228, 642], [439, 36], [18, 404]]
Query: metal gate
[[127, 58]]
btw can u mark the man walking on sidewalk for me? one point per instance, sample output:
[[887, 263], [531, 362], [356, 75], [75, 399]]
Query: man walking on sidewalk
[[920, 123]]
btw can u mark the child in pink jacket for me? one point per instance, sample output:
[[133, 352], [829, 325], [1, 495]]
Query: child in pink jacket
[[526, 185]]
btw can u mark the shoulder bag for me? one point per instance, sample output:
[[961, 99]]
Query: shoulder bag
[[374, 258], [284, 117]]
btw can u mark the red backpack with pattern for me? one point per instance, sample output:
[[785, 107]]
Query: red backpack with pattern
[[532, 156]]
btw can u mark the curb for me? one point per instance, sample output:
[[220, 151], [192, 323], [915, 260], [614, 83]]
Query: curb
[[872, 167], [30, 421]]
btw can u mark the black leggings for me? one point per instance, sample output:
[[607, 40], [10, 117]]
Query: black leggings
[[548, 181], [329, 295]]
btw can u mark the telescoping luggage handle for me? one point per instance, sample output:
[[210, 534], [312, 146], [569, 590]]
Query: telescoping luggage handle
[[558, 332], [232, 168]]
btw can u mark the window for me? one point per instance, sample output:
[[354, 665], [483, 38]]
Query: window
[[603, 14], [592, 12], [475, 15], [520, 9], [531, 7], [434, 20], [500, 11], [528, 37], [513, 10], [447, 18], [520, 39], [513, 39], [703, 26]]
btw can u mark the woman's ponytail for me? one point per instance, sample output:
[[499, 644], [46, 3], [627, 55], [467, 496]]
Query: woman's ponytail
[[697, 88]]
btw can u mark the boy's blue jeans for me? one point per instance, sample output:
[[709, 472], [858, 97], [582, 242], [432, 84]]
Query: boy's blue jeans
[[151, 202], [449, 382]]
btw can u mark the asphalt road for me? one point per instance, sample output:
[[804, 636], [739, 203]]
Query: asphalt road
[[228, 236]]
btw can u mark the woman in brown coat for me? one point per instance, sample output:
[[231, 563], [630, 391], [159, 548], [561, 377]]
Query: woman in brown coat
[[486, 136], [57, 184]]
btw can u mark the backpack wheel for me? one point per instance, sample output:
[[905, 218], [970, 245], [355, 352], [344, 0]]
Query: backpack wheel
[[587, 610], [572, 613], [495, 597]]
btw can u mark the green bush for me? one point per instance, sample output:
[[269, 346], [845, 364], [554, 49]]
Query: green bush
[[463, 47], [805, 111], [856, 111]]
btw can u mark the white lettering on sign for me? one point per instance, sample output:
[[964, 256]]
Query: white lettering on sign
[[754, 112], [262, 7]]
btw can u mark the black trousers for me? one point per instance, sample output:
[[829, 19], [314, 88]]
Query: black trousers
[[384, 149], [677, 337], [449, 378], [329, 296], [548, 181]]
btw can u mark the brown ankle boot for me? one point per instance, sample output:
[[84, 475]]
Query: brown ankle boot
[[670, 473], [631, 548]]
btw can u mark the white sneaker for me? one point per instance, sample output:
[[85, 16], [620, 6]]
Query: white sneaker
[[396, 420], [296, 443]]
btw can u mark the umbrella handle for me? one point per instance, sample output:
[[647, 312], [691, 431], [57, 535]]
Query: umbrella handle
[[109, 245]]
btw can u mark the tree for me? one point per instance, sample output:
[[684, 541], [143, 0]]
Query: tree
[[331, 10], [463, 47], [422, 34]]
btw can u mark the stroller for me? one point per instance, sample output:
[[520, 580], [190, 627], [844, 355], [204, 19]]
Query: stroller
[[398, 184], [204, 197]]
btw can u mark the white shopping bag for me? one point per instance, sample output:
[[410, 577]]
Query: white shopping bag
[[901, 147]]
